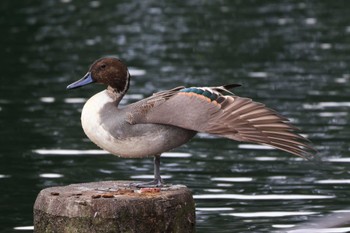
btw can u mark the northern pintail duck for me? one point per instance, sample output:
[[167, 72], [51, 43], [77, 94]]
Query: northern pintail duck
[[170, 118]]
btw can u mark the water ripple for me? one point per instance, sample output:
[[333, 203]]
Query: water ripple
[[333, 181], [74, 100], [207, 209], [51, 175], [271, 214], [24, 228], [232, 179], [322, 105], [263, 196], [69, 152], [176, 155], [149, 177], [322, 230], [47, 99], [255, 147], [338, 160]]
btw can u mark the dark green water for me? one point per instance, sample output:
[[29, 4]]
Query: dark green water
[[292, 55]]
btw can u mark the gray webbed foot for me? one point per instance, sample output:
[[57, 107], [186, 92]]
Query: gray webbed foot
[[157, 182], [151, 184]]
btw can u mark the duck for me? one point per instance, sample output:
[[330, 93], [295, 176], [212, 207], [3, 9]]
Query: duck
[[170, 118]]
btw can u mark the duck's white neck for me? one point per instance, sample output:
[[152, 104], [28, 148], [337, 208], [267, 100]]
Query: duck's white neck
[[118, 93], [115, 95]]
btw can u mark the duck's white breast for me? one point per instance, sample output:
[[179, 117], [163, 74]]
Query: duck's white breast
[[92, 117], [106, 126]]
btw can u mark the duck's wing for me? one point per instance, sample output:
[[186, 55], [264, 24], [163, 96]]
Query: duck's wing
[[208, 109]]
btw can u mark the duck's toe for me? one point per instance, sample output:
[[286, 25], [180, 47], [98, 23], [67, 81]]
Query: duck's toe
[[151, 184]]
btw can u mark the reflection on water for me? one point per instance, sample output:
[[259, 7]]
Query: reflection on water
[[292, 56], [51, 175], [24, 228], [271, 214], [69, 152], [322, 230], [260, 197]]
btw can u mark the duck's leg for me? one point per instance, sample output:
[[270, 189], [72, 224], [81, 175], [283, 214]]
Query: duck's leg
[[157, 182]]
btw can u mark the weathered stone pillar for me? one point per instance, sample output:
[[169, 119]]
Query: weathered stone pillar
[[114, 206]]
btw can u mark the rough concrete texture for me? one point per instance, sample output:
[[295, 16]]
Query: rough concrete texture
[[114, 206]]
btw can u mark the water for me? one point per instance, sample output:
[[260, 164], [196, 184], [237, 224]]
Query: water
[[293, 56]]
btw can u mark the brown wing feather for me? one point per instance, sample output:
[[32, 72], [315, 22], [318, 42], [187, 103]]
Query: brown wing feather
[[233, 117]]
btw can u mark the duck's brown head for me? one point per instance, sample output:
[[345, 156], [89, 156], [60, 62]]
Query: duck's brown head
[[110, 71]]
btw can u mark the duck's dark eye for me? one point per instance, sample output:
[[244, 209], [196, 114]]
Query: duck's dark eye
[[103, 66]]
